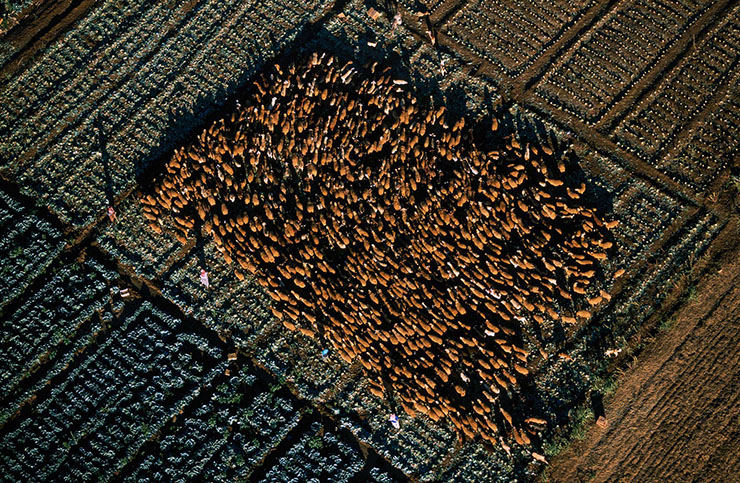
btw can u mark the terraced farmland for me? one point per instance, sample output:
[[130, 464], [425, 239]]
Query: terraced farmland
[[121, 363]]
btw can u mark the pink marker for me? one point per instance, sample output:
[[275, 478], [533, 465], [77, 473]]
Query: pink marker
[[204, 278]]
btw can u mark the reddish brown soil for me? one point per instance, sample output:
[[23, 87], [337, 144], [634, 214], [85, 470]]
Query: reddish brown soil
[[676, 415]]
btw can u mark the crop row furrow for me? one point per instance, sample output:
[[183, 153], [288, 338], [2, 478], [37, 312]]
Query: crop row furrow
[[512, 34], [154, 49], [57, 71]]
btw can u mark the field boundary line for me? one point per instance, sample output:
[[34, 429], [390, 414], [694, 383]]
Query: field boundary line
[[669, 150], [609, 148], [448, 12]]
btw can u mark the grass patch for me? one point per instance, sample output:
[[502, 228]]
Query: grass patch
[[605, 385], [579, 424], [666, 324]]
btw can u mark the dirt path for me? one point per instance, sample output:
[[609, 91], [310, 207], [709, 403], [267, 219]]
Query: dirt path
[[676, 416], [44, 22]]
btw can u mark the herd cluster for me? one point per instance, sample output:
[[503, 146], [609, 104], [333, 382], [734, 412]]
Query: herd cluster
[[378, 226]]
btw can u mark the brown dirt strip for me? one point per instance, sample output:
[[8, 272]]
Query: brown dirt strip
[[676, 415], [39, 28]]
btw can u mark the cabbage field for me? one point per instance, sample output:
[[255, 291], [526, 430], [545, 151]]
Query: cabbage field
[[477, 216]]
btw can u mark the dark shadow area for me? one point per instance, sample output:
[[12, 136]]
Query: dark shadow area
[[597, 404]]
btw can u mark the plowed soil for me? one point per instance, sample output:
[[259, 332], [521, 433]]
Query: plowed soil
[[676, 415]]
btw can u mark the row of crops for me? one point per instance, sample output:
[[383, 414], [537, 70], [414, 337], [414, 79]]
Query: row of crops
[[511, 35], [616, 54], [104, 406], [704, 153], [685, 93], [240, 308], [43, 334], [433, 72], [417, 449], [126, 84], [100, 385], [223, 434], [28, 245]]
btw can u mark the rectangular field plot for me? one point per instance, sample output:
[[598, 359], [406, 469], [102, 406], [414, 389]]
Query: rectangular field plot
[[238, 306], [616, 54], [417, 449], [708, 68], [134, 244], [222, 435], [644, 211], [348, 37], [646, 293], [28, 245], [297, 359], [44, 334], [317, 455], [124, 86], [103, 408], [698, 159], [513, 33]]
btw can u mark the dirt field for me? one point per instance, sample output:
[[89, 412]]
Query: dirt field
[[675, 415]]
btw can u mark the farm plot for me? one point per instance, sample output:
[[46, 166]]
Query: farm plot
[[135, 245], [513, 34], [633, 201], [629, 45], [123, 86], [222, 435], [228, 305], [298, 360], [697, 159], [667, 109], [101, 410], [440, 74], [241, 308], [317, 455], [28, 245], [418, 448], [44, 333]]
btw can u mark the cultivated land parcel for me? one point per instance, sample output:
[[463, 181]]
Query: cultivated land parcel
[[118, 364]]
